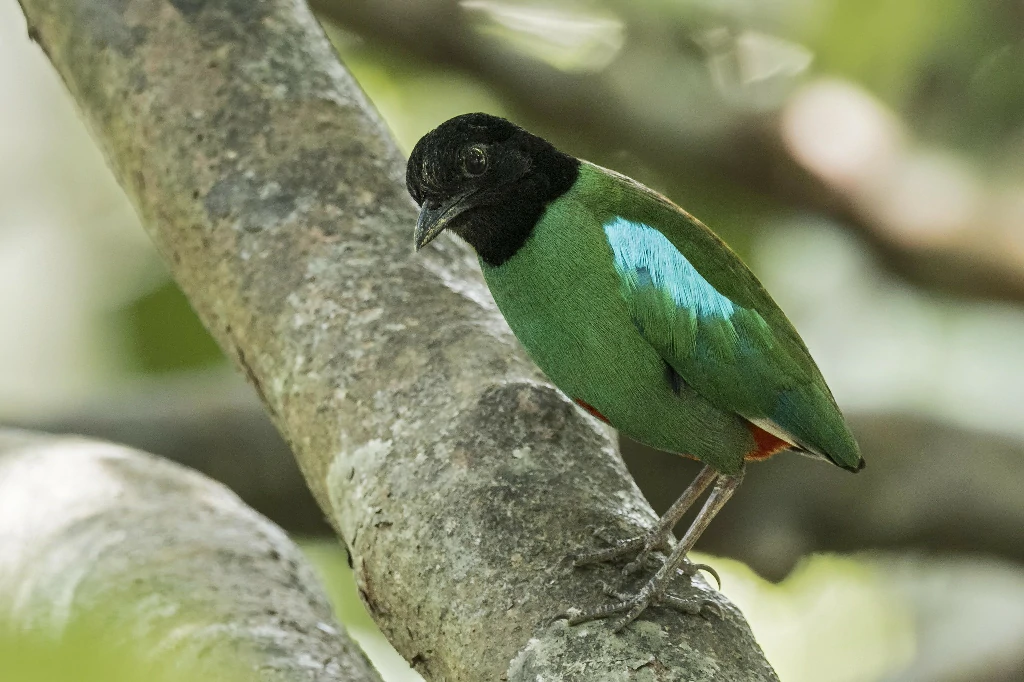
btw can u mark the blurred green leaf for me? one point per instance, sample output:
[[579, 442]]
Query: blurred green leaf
[[86, 655], [164, 335], [882, 44]]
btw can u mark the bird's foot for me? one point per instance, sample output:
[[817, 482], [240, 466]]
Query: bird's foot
[[646, 554], [645, 547], [651, 594], [641, 545]]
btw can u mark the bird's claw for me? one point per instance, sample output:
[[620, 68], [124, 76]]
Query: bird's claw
[[643, 558], [566, 615], [693, 607], [690, 569], [610, 591], [639, 563]]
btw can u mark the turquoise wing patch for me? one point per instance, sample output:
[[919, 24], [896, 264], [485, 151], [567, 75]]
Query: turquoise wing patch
[[725, 351], [728, 340], [647, 256]]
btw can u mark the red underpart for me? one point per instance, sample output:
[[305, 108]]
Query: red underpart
[[765, 444], [591, 409]]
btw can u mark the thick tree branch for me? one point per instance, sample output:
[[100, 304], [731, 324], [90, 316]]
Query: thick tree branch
[[975, 256], [457, 478], [211, 422], [95, 532]]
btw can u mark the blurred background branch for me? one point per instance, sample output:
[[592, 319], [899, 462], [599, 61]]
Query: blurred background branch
[[216, 424], [159, 561], [212, 422]]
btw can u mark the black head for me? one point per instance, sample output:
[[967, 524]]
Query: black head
[[487, 180]]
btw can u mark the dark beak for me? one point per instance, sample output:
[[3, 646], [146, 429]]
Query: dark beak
[[435, 218]]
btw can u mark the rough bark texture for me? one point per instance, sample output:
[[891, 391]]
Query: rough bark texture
[[92, 532], [458, 478]]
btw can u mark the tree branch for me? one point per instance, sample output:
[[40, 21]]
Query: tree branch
[[457, 478], [211, 422], [976, 256], [95, 532]]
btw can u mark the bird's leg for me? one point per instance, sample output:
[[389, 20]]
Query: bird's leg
[[655, 589], [657, 538]]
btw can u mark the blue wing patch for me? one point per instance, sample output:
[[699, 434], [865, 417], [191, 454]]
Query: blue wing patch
[[725, 352], [646, 256]]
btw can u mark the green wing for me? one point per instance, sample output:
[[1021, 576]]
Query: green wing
[[710, 319]]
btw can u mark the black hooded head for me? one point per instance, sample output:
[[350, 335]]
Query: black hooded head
[[487, 180]]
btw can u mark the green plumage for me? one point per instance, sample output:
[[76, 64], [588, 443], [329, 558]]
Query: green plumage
[[605, 338]]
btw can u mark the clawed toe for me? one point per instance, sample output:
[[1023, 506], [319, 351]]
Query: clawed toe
[[652, 593], [640, 562], [641, 545], [655, 591], [627, 604], [610, 591], [635, 565], [690, 569], [693, 607]]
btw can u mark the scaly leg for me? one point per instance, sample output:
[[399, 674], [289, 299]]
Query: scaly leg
[[657, 538], [655, 589]]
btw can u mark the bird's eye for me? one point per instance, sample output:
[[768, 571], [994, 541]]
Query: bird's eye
[[474, 160]]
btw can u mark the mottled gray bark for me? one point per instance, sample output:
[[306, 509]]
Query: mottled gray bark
[[456, 476], [93, 533]]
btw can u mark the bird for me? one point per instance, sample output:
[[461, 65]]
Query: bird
[[635, 310]]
